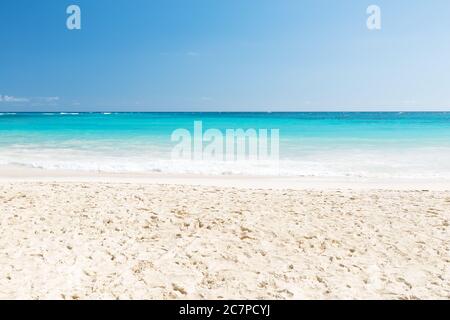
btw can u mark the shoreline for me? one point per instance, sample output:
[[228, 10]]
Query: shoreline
[[21, 174]]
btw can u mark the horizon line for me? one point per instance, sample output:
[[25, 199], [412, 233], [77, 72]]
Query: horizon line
[[256, 111]]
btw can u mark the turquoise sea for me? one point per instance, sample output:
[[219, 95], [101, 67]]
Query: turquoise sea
[[378, 144]]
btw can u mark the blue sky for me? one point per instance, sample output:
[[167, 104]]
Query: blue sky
[[227, 55]]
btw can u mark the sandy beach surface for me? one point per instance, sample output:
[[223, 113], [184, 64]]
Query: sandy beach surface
[[135, 240]]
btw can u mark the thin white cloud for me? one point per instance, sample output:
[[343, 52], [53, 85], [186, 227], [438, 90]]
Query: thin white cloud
[[410, 102], [180, 54], [50, 99], [193, 54], [13, 99], [6, 98]]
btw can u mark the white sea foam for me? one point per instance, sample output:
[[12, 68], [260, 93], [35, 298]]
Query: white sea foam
[[420, 163]]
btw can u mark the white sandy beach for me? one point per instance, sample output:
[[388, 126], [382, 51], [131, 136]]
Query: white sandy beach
[[100, 237]]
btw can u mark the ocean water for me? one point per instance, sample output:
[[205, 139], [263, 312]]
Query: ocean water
[[311, 144]]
